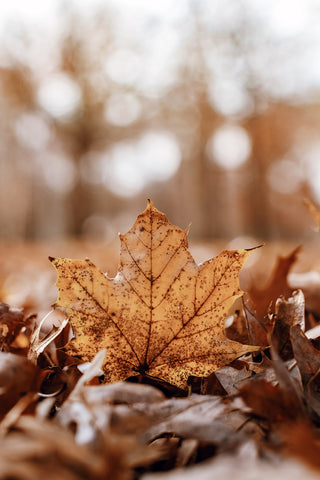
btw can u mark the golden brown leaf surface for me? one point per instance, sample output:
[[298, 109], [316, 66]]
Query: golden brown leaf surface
[[162, 313]]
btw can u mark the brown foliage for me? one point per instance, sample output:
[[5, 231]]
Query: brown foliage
[[12, 329], [162, 314], [262, 301], [255, 414]]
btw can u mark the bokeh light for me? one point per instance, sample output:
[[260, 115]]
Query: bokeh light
[[155, 157], [285, 176], [229, 147], [59, 95], [105, 103]]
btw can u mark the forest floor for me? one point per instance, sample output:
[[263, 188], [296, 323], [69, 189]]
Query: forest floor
[[253, 418]]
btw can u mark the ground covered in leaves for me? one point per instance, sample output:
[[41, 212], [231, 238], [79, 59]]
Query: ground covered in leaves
[[254, 417]]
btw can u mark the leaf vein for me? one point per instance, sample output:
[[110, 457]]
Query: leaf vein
[[109, 316]]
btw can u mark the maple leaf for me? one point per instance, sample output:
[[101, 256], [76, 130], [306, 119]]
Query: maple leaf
[[162, 314]]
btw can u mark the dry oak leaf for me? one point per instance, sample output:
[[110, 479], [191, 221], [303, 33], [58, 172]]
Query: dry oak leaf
[[162, 313]]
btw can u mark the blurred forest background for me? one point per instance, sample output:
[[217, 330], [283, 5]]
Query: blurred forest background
[[210, 108]]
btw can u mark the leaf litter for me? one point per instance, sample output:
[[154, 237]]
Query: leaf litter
[[189, 407]]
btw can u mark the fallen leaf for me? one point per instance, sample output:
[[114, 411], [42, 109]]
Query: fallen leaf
[[306, 355], [162, 314], [244, 327], [18, 376], [231, 378], [289, 383], [302, 441], [121, 392], [269, 401], [204, 418], [37, 344], [308, 361], [309, 283], [37, 449], [12, 324], [186, 451], [288, 312], [243, 464], [261, 300]]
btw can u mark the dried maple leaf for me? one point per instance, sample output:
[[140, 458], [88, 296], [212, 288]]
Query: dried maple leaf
[[162, 313]]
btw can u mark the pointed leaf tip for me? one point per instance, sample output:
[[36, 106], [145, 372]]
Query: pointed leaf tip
[[150, 204]]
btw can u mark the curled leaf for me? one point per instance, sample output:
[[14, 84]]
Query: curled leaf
[[37, 344]]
